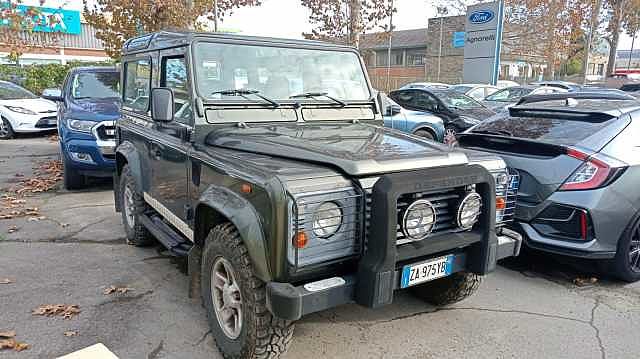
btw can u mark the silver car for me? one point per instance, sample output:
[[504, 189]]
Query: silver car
[[578, 157]]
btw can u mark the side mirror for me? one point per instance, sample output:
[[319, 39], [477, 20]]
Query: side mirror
[[393, 110], [162, 104], [52, 94]]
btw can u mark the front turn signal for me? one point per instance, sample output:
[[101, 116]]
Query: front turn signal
[[300, 240]]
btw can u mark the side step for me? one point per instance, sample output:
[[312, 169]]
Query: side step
[[174, 241]]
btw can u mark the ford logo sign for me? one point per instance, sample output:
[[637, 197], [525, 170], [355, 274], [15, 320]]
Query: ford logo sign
[[481, 16]]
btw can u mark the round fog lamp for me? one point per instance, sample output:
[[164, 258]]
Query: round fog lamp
[[419, 219], [469, 211], [327, 219]]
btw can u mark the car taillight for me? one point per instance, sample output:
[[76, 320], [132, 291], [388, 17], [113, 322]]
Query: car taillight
[[593, 173]]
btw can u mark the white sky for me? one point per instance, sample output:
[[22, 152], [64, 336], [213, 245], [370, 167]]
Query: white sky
[[287, 18]]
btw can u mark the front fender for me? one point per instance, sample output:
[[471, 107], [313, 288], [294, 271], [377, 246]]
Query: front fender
[[126, 153], [244, 217]]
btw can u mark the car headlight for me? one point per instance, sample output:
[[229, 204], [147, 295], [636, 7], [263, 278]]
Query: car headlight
[[469, 210], [327, 219], [80, 125], [22, 110], [418, 220]]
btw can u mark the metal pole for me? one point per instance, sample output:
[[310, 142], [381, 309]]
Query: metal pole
[[440, 49], [389, 48], [215, 15], [633, 40]]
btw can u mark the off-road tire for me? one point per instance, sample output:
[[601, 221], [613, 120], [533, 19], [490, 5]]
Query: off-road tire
[[71, 178], [137, 234], [448, 290], [9, 134], [426, 134], [262, 335], [620, 266]]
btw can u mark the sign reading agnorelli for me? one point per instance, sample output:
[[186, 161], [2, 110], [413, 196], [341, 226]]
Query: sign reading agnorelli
[[482, 44]]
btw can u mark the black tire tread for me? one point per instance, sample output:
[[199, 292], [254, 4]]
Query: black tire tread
[[138, 235], [271, 336], [450, 289], [10, 134]]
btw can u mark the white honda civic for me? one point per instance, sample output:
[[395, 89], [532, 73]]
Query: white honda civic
[[24, 112]]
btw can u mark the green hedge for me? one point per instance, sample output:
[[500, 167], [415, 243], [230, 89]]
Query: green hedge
[[39, 77]]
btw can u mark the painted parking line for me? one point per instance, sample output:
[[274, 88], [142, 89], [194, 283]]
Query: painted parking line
[[96, 351]]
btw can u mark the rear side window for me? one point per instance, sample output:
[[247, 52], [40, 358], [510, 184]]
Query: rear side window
[[560, 131], [137, 79]]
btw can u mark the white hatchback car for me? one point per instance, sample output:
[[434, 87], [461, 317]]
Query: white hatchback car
[[24, 112]]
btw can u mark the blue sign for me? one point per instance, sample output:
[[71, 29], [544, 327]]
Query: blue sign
[[481, 16], [458, 39], [45, 19]]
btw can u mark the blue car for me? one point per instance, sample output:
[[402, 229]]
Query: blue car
[[419, 123], [88, 106]]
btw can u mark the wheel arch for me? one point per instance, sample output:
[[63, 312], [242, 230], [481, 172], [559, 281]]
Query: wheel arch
[[126, 154], [218, 205], [425, 127]]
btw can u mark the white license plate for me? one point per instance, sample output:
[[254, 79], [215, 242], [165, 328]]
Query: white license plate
[[423, 272], [52, 122]]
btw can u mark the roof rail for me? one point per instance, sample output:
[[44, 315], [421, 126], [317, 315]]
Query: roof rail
[[583, 95]]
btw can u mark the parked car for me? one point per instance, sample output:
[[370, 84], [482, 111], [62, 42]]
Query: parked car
[[419, 123], [271, 195], [423, 85], [23, 112], [506, 83], [632, 89], [578, 158], [476, 91], [89, 105], [458, 112], [507, 97], [565, 85]]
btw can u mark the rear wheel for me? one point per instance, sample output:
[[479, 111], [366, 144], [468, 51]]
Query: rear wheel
[[626, 264], [425, 134], [235, 300], [6, 131], [448, 290]]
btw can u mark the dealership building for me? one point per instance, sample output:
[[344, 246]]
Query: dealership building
[[75, 41]]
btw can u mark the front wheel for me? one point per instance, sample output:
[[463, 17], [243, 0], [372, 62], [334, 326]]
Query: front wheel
[[133, 206], [450, 133], [448, 290], [6, 131], [235, 300], [426, 134]]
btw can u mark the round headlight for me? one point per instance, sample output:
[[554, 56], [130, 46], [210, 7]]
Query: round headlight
[[419, 219], [327, 219], [502, 179], [469, 211]]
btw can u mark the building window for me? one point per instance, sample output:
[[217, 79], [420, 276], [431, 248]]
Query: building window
[[416, 57], [397, 57], [137, 79]]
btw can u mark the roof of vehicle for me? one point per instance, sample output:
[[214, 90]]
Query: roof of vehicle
[[94, 69], [556, 82], [167, 39], [565, 102], [474, 85], [424, 84]]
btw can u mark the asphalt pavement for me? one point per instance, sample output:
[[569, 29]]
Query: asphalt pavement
[[71, 251]]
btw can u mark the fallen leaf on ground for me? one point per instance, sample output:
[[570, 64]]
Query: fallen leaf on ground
[[8, 334], [50, 310], [118, 290], [581, 282], [21, 346], [6, 281], [64, 225], [36, 219], [7, 343], [70, 333], [12, 229]]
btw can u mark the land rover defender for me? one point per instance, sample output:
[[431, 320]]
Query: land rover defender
[[265, 163]]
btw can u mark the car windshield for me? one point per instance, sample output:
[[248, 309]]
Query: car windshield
[[9, 91], [278, 72], [95, 85], [457, 100], [544, 129], [510, 94]]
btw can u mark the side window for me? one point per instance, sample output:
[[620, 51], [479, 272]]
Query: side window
[[426, 101], [477, 94], [174, 76], [137, 79]]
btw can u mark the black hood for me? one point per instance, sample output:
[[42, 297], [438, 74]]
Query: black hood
[[480, 113], [357, 149]]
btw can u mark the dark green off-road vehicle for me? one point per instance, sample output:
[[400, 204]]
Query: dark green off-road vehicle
[[263, 161]]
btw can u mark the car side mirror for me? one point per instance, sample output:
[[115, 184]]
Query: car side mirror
[[393, 110], [162, 104], [52, 94]]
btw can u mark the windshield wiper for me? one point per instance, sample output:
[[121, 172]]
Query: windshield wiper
[[319, 94], [244, 94], [493, 132]]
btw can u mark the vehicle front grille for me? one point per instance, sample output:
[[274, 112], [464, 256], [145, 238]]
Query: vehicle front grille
[[106, 131], [445, 203], [47, 122], [510, 194]]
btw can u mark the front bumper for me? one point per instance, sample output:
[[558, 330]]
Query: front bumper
[[34, 123], [380, 268], [102, 162]]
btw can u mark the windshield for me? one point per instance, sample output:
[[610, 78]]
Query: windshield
[[461, 89], [95, 85], [9, 91], [510, 94], [457, 100], [278, 72]]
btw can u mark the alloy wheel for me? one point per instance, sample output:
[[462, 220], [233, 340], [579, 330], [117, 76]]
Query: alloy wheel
[[4, 130], [450, 135], [129, 206], [634, 250], [227, 298]]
